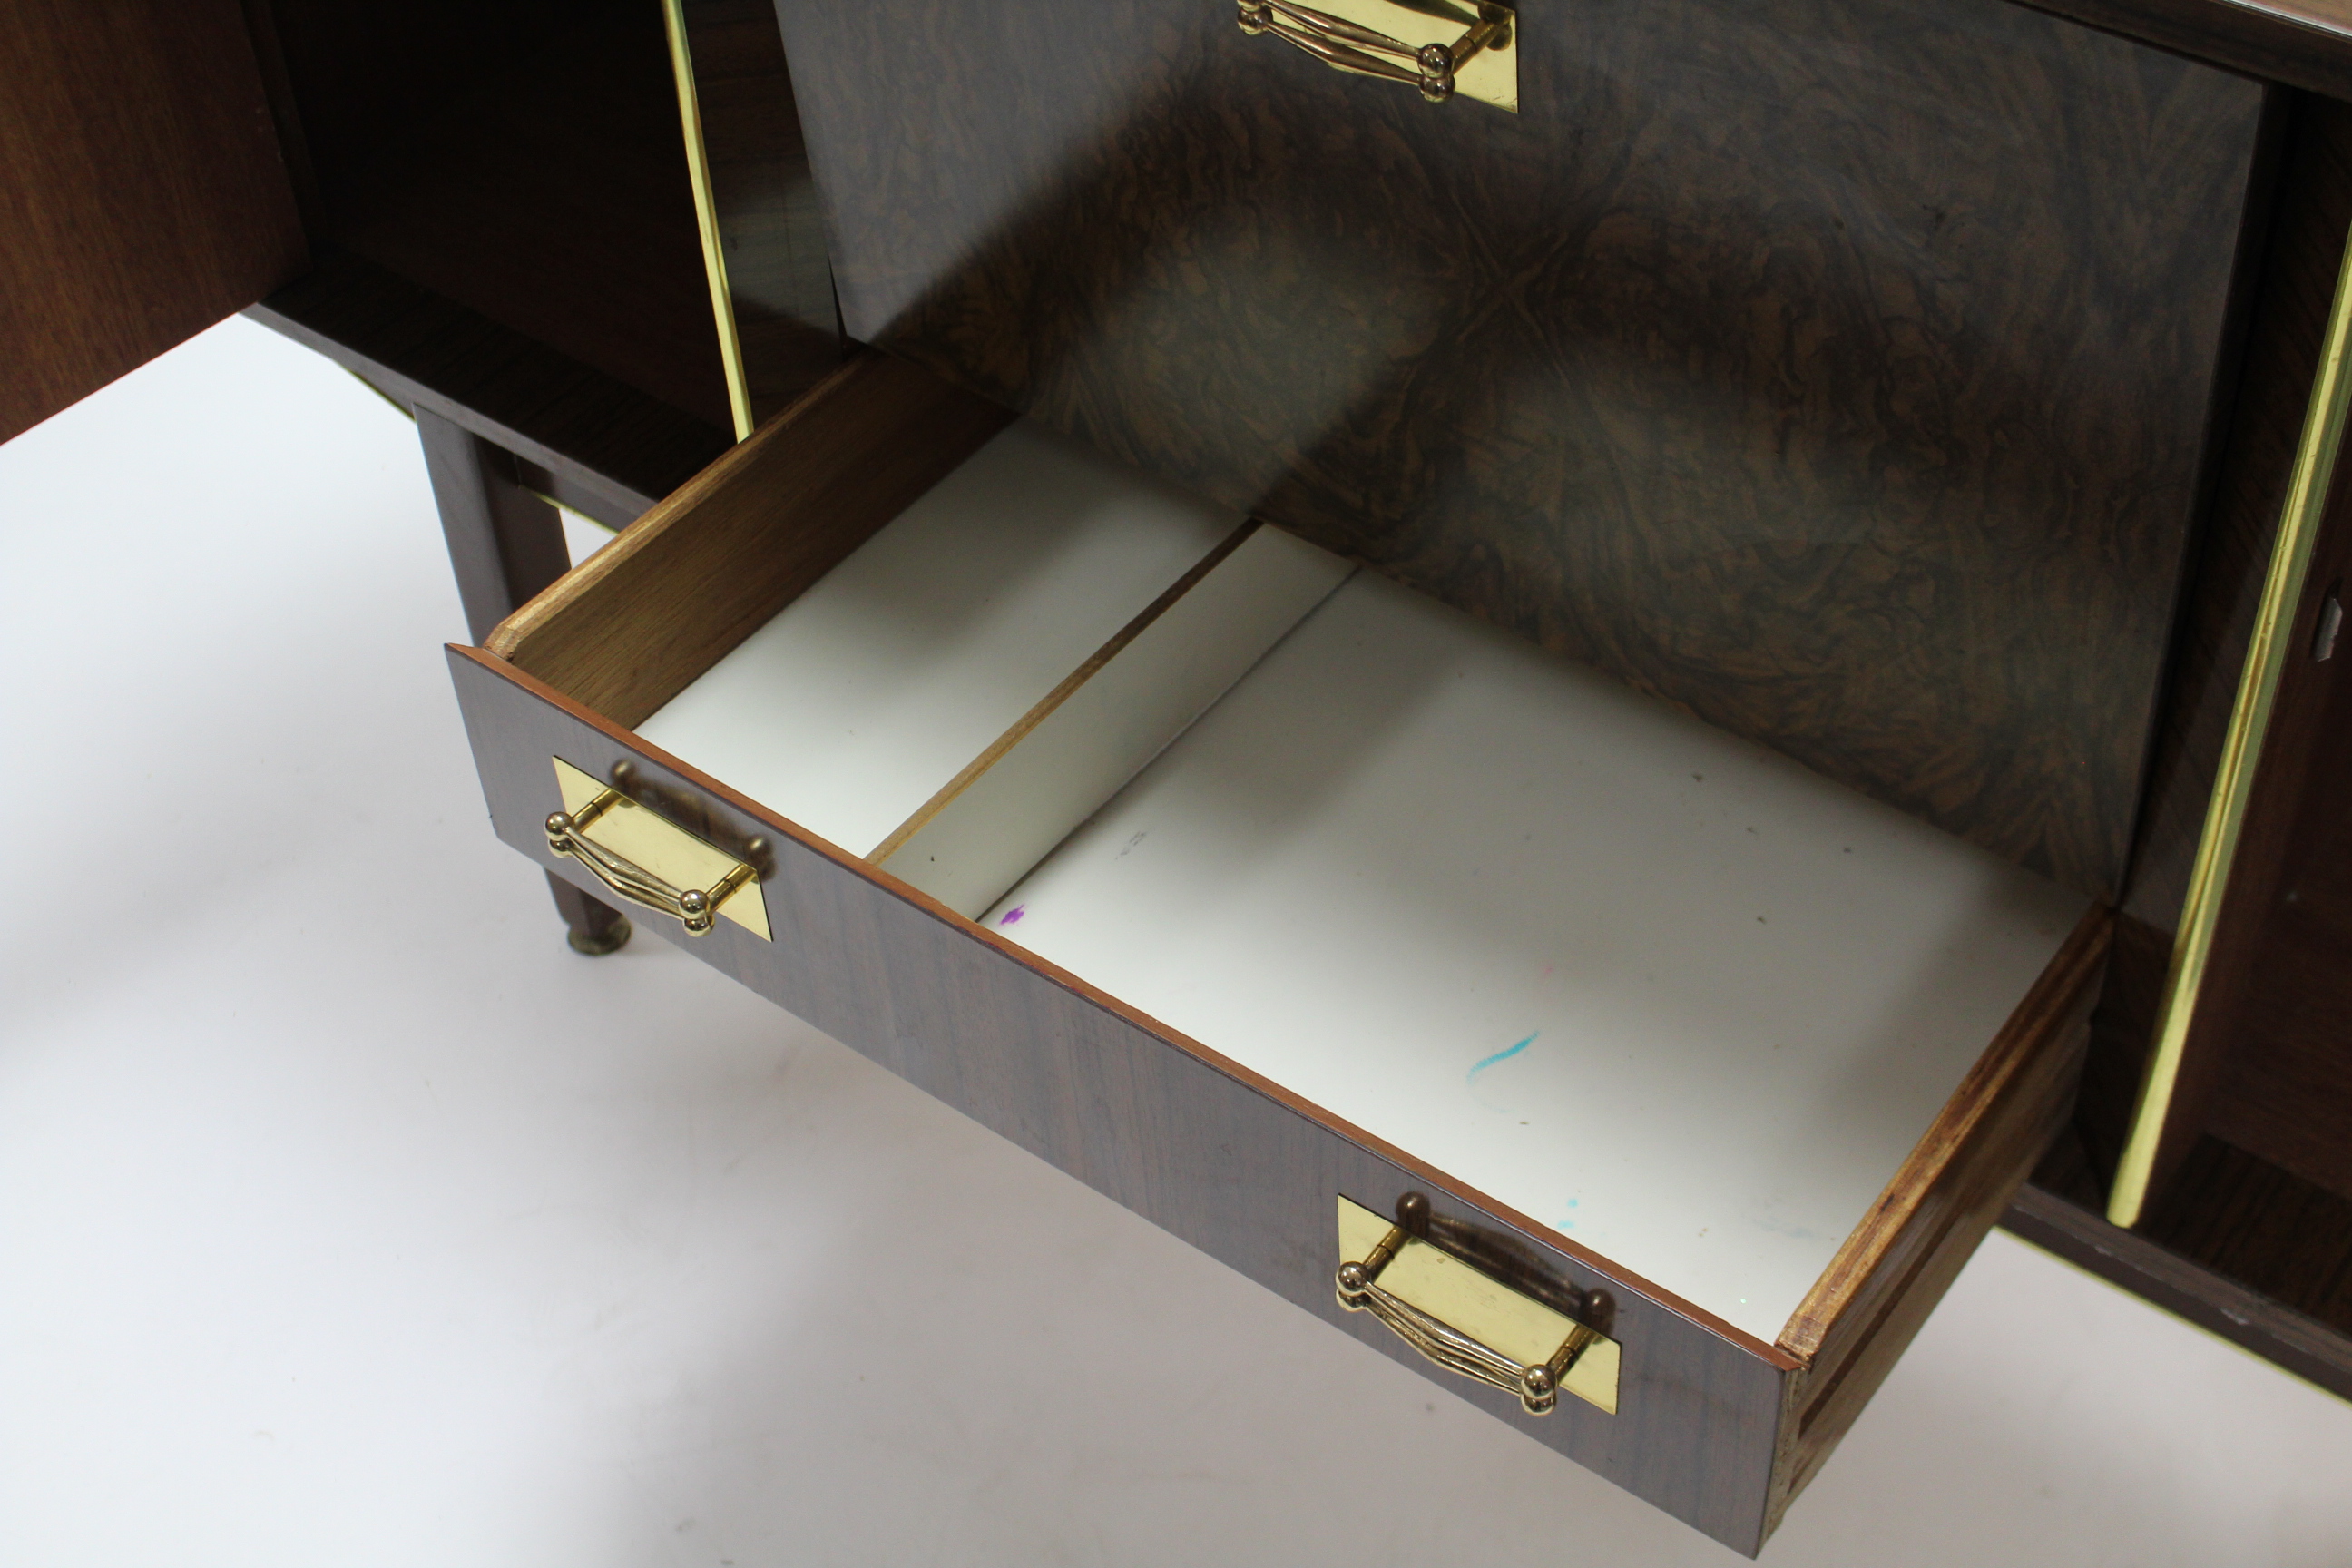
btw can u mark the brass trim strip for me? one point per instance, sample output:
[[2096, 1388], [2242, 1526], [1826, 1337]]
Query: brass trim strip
[[706, 218], [2267, 651]]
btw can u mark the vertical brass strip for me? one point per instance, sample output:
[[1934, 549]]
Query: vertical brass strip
[[2267, 652], [706, 217]]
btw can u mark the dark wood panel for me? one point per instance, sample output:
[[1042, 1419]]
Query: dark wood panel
[[1839, 369], [2297, 284], [1220, 1157], [141, 195], [2060, 1210], [505, 545], [2288, 1096], [724, 552], [764, 200], [2252, 1222], [285, 114], [2302, 43], [1898, 1264], [553, 198], [601, 447], [361, 77]]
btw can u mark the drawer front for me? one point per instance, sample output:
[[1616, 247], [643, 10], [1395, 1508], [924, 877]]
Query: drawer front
[[1840, 369], [1159, 1124]]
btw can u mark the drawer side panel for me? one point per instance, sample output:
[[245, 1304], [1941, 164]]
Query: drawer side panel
[[1898, 1263]]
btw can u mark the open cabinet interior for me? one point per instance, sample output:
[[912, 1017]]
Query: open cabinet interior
[[523, 160], [1658, 988], [505, 193]]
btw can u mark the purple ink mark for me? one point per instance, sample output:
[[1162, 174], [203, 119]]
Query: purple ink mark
[[1012, 915]]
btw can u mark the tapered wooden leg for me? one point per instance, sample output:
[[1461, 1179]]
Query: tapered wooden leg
[[505, 545], [596, 928]]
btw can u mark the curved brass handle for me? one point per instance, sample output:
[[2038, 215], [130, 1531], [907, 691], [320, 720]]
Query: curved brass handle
[[696, 909], [1581, 1358], [1351, 47]]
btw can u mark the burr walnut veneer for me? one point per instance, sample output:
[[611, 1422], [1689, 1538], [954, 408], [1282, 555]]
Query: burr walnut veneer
[[1899, 400]]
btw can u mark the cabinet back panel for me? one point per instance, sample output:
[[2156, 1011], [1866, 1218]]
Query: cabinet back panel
[[2301, 258], [523, 161], [1839, 369]]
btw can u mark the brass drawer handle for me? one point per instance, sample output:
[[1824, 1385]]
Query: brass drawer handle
[[655, 844], [1350, 47], [1545, 1350]]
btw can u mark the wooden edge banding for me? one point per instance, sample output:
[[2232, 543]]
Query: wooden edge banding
[[1850, 1329], [2311, 1350], [1062, 693], [2037, 1020], [714, 561], [1420, 1171], [514, 635]]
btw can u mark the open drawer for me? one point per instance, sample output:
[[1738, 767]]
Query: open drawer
[[1642, 1087]]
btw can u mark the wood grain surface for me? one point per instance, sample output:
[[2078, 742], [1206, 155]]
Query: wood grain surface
[[2302, 43], [2288, 1097], [601, 447], [717, 559], [2061, 1210], [2277, 1013], [2273, 1045], [505, 545], [2291, 300], [1898, 1264], [2248, 1220], [1222, 1158], [1839, 369], [141, 194]]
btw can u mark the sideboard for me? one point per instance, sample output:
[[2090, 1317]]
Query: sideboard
[[1905, 428]]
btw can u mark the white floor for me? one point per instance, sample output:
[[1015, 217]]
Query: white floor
[[347, 1218]]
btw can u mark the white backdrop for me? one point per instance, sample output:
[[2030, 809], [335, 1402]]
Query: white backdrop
[[347, 1218]]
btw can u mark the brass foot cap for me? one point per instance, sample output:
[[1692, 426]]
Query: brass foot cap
[[613, 938]]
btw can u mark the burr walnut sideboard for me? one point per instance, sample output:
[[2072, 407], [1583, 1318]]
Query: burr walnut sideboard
[[1582, 692]]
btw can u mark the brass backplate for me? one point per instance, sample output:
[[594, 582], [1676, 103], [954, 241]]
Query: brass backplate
[[1489, 1311], [1490, 76], [662, 847]]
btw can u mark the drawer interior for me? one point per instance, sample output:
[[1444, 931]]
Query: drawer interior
[[1650, 984], [1657, 987], [979, 632]]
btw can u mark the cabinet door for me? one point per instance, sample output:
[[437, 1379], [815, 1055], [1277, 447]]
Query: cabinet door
[[142, 195], [1839, 369]]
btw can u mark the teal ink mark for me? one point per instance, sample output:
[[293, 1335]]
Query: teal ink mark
[[1502, 1055]]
